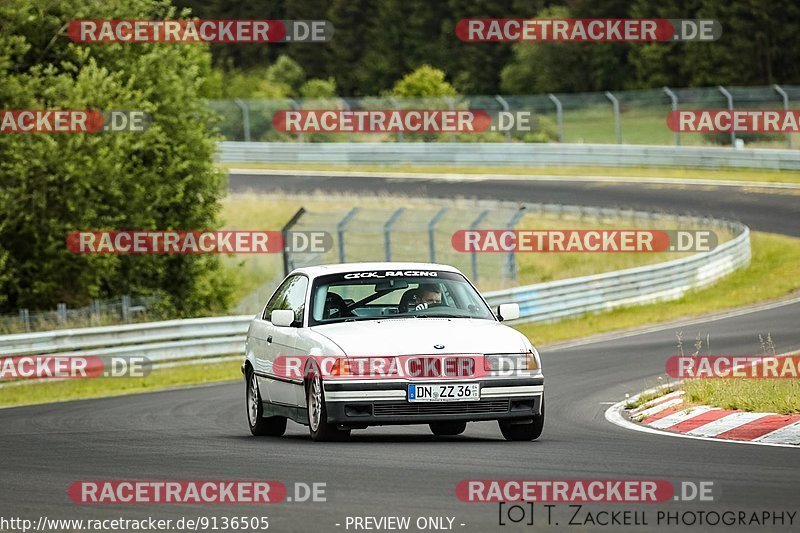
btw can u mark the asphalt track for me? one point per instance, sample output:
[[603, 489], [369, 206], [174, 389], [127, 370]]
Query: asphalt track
[[201, 433]]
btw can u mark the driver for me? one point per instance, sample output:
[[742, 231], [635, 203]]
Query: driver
[[428, 294]]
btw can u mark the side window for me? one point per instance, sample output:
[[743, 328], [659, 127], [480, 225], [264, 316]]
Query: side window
[[290, 295]]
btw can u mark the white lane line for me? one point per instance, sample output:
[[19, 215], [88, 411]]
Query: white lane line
[[641, 415], [671, 420], [614, 415], [787, 435], [733, 420]]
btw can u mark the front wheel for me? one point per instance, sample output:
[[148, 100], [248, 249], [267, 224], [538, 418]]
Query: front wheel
[[318, 425], [273, 426], [524, 431]]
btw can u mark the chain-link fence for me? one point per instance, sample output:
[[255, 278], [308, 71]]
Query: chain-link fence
[[621, 117], [126, 309]]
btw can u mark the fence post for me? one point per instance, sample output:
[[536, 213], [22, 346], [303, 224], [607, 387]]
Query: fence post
[[617, 125], [474, 258], [559, 116], [94, 312], [25, 318], [432, 232], [674, 99], [340, 227], [61, 309], [387, 232], [511, 258], [785, 98], [505, 108], [346, 107], [396, 105], [451, 102], [287, 263], [245, 118], [126, 308], [729, 97], [296, 107]]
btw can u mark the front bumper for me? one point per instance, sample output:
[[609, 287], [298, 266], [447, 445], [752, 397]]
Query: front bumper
[[385, 402]]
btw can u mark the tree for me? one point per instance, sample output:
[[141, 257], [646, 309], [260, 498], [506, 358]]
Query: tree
[[424, 82], [51, 184]]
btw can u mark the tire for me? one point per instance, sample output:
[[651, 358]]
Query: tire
[[318, 426], [523, 432], [447, 428], [272, 426]]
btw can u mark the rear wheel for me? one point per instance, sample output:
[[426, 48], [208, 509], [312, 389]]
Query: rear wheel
[[530, 430], [318, 426], [448, 428], [273, 426]]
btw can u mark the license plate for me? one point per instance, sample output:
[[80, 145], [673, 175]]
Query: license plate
[[444, 392]]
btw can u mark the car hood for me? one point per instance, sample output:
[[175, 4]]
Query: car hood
[[417, 336]]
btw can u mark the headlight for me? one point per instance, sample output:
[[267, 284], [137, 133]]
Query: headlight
[[498, 362]]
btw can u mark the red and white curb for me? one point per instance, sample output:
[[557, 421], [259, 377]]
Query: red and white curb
[[667, 415]]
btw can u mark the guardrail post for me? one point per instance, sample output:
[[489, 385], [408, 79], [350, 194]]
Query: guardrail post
[[503, 103], [511, 258], [432, 233], [474, 258], [288, 265], [25, 318], [785, 98], [559, 116], [296, 107], [617, 125], [729, 97], [245, 118], [674, 99], [387, 232], [340, 227]]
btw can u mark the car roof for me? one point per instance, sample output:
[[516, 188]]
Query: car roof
[[339, 268]]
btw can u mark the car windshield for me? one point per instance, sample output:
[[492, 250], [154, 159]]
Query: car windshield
[[372, 295]]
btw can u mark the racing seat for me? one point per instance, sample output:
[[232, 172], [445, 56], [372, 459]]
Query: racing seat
[[335, 306], [409, 297]]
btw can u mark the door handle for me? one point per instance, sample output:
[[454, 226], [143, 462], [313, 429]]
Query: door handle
[[269, 339]]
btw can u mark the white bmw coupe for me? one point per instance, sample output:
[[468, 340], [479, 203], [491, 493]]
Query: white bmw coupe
[[342, 347]]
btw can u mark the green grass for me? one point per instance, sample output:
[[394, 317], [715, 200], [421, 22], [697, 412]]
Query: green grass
[[769, 176], [757, 395], [73, 389], [774, 272]]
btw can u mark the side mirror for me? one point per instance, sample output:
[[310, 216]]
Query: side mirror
[[282, 317], [506, 312]]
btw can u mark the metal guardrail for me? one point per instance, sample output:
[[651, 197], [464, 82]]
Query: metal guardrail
[[177, 340], [507, 154]]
